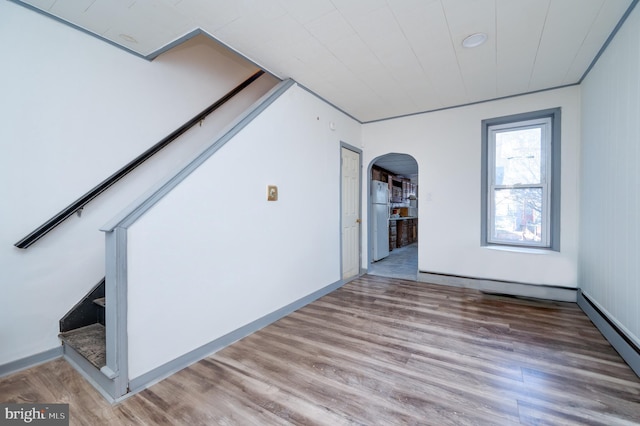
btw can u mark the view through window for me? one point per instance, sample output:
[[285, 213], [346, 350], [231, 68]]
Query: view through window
[[518, 175]]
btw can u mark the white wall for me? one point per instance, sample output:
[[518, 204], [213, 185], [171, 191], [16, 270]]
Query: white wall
[[73, 110], [447, 145], [610, 181], [214, 254]]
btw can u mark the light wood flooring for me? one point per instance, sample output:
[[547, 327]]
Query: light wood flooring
[[380, 351]]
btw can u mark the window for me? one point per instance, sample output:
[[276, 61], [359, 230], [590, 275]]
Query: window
[[521, 180]]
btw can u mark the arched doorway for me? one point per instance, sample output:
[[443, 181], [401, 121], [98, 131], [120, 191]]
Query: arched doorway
[[393, 216]]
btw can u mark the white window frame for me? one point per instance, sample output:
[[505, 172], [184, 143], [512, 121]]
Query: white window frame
[[549, 122]]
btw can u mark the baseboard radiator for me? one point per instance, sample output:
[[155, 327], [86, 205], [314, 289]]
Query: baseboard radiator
[[561, 294], [627, 348]]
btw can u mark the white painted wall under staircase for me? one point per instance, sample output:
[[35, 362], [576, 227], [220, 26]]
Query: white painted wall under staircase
[[213, 256]]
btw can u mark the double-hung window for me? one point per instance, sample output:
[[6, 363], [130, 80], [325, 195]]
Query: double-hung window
[[521, 176]]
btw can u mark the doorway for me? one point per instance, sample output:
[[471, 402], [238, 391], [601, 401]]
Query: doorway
[[351, 211], [397, 174]]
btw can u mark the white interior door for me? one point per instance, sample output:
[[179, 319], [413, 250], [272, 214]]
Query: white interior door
[[350, 213]]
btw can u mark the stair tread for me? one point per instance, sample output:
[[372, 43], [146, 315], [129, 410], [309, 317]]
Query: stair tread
[[100, 301], [88, 341]]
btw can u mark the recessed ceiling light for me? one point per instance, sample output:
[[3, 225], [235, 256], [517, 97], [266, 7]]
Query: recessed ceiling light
[[474, 40]]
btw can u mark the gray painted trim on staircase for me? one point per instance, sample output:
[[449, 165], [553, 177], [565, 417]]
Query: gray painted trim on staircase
[[622, 344], [102, 383], [149, 199], [116, 311], [144, 381], [562, 294], [115, 373], [111, 380], [30, 361]]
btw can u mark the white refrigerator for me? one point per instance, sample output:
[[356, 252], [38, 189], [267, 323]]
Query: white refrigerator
[[380, 216]]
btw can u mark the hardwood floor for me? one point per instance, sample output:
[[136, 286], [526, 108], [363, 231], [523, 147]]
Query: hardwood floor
[[381, 351]]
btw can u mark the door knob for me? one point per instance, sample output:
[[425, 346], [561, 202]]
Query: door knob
[[358, 221]]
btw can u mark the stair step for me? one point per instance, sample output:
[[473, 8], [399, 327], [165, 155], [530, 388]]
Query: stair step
[[100, 302], [88, 341]]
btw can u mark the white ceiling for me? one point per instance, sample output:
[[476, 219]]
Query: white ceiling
[[375, 59], [400, 164]]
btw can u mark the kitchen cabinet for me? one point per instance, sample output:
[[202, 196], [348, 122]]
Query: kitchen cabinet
[[402, 232], [400, 188], [395, 188], [403, 228], [412, 231], [392, 234]]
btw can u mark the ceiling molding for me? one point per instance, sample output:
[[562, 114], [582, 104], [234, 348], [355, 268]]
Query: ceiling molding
[[374, 60]]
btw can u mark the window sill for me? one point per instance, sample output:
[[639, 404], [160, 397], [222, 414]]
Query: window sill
[[513, 249]]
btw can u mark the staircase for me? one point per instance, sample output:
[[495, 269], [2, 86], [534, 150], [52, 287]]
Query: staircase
[[101, 354], [83, 327]]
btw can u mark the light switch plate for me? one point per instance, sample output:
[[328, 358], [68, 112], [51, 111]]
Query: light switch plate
[[272, 193]]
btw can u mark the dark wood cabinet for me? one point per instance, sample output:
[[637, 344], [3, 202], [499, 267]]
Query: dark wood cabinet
[[400, 188], [392, 234], [402, 192], [402, 232], [412, 231]]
